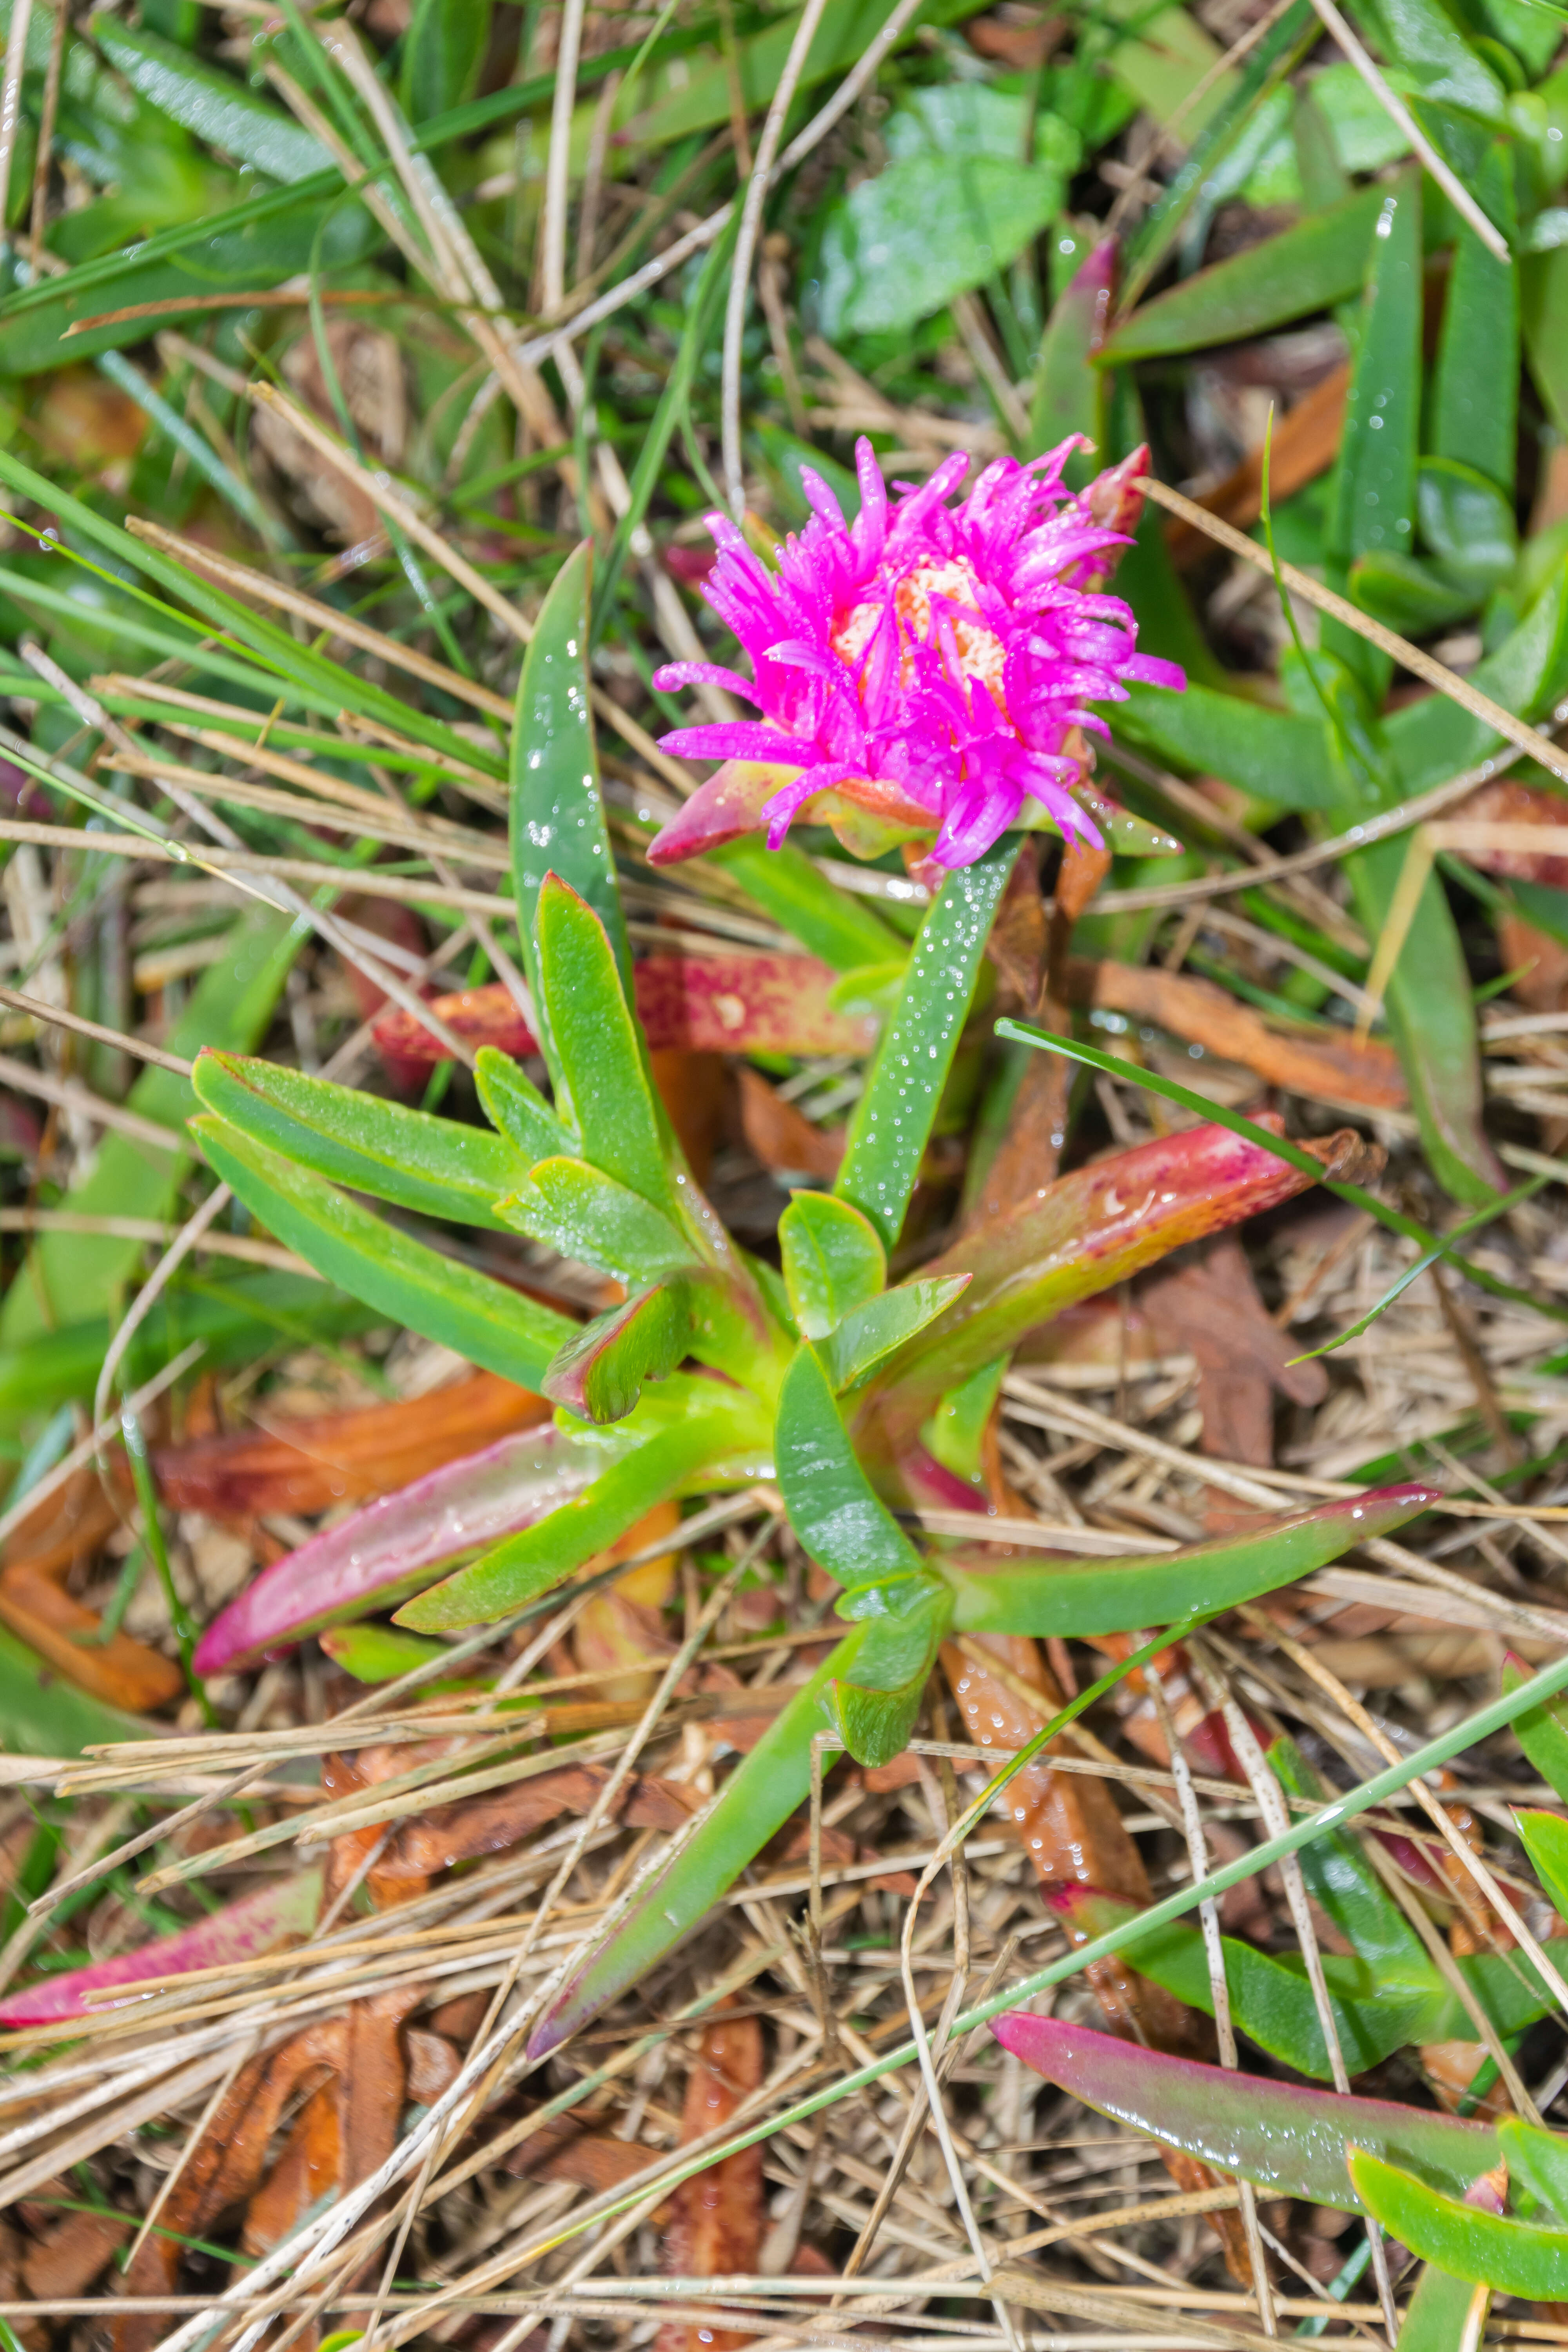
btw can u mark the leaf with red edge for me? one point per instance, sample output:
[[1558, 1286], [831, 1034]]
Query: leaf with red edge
[[256, 1923], [401, 1543], [729, 805], [1276, 2134]]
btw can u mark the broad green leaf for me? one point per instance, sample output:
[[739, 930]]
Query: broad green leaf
[[397, 1544], [214, 105], [403, 1280], [1407, 595], [516, 1110], [955, 1433], [599, 1047], [1439, 2317], [832, 1506], [1540, 2160], [1363, 134], [599, 1372], [41, 1714], [379, 1653], [1371, 493], [557, 814], [697, 1432], [1320, 261], [1465, 2239], [1421, 38], [875, 1714], [842, 931], [757, 1800], [1434, 737], [869, 1334], [1375, 2013], [1545, 1840], [585, 1215], [1277, 2134], [833, 1261], [443, 51], [894, 1117], [955, 205], [1475, 385], [1340, 1877], [1085, 1597], [1170, 64], [70, 1277], [1541, 1731], [1271, 754], [434, 1166], [1468, 523]]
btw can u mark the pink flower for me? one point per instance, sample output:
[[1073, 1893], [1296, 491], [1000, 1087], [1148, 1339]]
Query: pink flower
[[933, 661]]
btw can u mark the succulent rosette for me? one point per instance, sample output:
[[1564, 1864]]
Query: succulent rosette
[[932, 664]]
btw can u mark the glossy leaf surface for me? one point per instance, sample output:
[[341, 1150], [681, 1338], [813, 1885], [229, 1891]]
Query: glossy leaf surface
[[833, 1261], [557, 815], [399, 1543], [400, 1277], [589, 1216], [869, 1334], [1277, 2134], [1081, 1597], [432, 1165], [1490, 2248], [875, 1712], [698, 1427], [1318, 262], [517, 1110], [892, 1121], [599, 1372], [831, 1505], [617, 1115]]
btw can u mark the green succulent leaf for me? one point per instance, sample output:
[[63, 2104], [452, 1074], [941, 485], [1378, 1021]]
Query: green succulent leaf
[[1493, 2250], [600, 1047], [831, 1505], [1321, 262], [1343, 1881], [693, 1434], [1539, 2161], [1081, 1597], [1371, 493], [833, 1261], [869, 1334], [875, 1712], [1468, 523], [1545, 1840], [557, 813], [598, 1374], [403, 1280], [585, 1215], [443, 50], [894, 1117], [434, 1166], [516, 1110], [1541, 1731]]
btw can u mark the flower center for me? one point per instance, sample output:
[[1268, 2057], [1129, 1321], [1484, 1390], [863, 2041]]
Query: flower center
[[980, 653]]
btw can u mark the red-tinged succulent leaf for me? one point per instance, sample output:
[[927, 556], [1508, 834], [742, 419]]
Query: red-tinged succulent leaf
[[716, 1004], [400, 1543], [1276, 2134], [1116, 497], [1085, 1597], [729, 805], [1092, 1230], [256, 1923], [307, 1465]]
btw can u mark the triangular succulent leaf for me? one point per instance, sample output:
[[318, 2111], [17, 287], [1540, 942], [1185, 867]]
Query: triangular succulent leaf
[[833, 1261]]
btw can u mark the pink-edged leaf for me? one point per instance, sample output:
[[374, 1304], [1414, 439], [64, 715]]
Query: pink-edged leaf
[[400, 1543], [729, 805], [1093, 1229], [1116, 502], [715, 1004], [256, 1923], [1278, 2136]]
